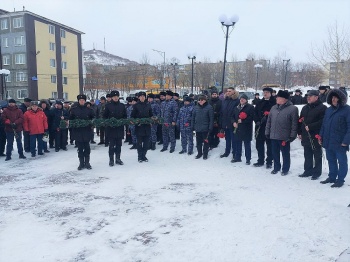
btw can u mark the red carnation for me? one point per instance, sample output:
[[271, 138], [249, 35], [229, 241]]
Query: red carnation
[[166, 124], [242, 115], [206, 141], [220, 135], [266, 113], [301, 120], [283, 143], [318, 137]]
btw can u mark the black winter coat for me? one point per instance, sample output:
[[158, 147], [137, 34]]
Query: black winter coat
[[202, 118], [313, 117], [228, 106], [55, 117], [297, 100], [142, 110], [216, 104], [118, 111], [244, 130], [81, 134], [259, 117]]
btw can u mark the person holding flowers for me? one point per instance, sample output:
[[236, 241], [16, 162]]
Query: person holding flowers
[[243, 115], [309, 126]]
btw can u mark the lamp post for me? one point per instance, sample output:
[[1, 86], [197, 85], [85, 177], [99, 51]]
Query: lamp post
[[192, 57], [175, 64], [257, 68], [227, 23], [285, 73], [3, 73], [162, 53]]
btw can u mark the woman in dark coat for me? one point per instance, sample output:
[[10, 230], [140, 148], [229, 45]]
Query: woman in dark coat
[[243, 123]]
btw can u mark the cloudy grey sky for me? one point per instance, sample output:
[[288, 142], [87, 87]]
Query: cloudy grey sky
[[133, 28]]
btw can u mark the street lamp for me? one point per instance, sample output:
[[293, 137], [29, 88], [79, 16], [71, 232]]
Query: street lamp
[[175, 64], [3, 73], [285, 73], [192, 57], [257, 67], [162, 84], [227, 23]]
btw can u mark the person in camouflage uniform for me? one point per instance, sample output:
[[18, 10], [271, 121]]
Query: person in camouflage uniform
[[169, 113], [132, 127], [101, 109], [160, 99], [184, 123], [156, 113], [127, 132]]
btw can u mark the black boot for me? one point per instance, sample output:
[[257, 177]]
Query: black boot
[[134, 146], [118, 161], [111, 160], [81, 163], [87, 162], [153, 146]]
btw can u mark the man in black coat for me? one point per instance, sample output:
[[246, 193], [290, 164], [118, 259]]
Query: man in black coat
[[310, 122], [262, 110], [143, 131], [115, 135], [256, 99], [216, 103], [323, 93], [82, 135], [24, 107], [297, 99]]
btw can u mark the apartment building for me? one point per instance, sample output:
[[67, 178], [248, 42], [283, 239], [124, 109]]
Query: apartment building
[[44, 57]]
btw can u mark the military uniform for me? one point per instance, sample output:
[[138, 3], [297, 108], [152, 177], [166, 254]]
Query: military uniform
[[184, 124]]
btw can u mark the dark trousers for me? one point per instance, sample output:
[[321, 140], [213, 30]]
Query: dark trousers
[[102, 134], [247, 150], [115, 146], [83, 149], [277, 147], [10, 136], [61, 139], [159, 133], [337, 163], [52, 136], [230, 142], [177, 132], [26, 143], [106, 137], [92, 135], [127, 134], [313, 160], [202, 146], [33, 141], [260, 147], [2, 140], [142, 146], [71, 135], [213, 138]]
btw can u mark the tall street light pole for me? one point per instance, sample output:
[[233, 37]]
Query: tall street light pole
[[257, 67], [162, 53], [285, 73], [192, 58], [175, 64], [3, 73], [227, 23]]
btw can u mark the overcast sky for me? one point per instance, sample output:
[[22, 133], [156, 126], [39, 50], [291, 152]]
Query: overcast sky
[[133, 28]]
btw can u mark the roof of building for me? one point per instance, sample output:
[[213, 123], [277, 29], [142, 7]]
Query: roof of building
[[3, 12]]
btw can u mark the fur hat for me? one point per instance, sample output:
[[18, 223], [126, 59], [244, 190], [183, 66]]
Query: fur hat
[[157, 96], [282, 93], [338, 93], [257, 94], [114, 93], [244, 96], [176, 94], [27, 99], [142, 94], [102, 98], [12, 101], [298, 90], [324, 87], [135, 99], [187, 99], [58, 102], [81, 97], [108, 95], [151, 96], [202, 97], [162, 93], [169, 93], [268, 89]]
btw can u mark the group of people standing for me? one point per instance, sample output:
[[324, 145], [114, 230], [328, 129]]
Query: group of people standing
[[277, 125]]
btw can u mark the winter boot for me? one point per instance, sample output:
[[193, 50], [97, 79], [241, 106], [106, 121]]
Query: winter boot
[[87, 162], [118, 161], [134, 146], [81, 163], [153, 146], [111, 160]]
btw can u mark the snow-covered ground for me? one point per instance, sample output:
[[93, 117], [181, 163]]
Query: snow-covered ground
[[173, 208]]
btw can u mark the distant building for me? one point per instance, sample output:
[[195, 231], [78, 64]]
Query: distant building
[[44, 57], [339, 73]]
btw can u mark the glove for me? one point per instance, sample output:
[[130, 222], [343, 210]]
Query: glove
[[8, 122], [291, 139], [13, 125]]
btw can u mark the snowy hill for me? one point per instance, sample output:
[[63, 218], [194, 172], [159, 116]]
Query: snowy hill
[[104, 58]]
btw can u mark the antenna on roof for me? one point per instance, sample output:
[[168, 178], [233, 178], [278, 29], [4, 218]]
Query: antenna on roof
[[93, 46], [24, 8], [104, 43]]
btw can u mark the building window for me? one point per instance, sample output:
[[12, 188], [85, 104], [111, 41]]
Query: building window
[[18, 22], [51, 29], [20, 59], [53, 79], [52, 62], [52, 46], [65, 80], [54, 95], [5, 42], [19, 40], [21, 76], [4, 24], [22, 93], [63, 49], [8, 78], [9, 93], [6, 60], [65, 96], [64, 65], [63, 33]]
